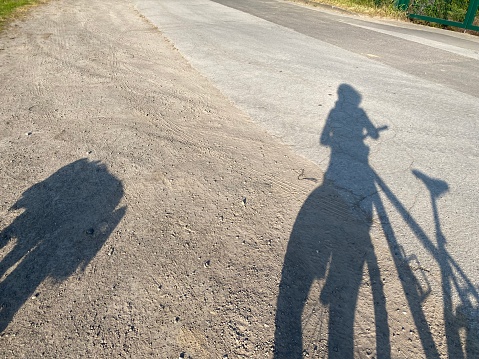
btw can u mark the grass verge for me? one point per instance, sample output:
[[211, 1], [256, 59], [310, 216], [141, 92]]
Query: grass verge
[[378, 8], [11, 9], [364, 7]]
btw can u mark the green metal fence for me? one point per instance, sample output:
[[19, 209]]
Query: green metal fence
[[459, 13]]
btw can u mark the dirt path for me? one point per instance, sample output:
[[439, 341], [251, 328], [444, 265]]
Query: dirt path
[[141, 213]]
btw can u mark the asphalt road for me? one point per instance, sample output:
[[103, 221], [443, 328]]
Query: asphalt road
[[283, 63]]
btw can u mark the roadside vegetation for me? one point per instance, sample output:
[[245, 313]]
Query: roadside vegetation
[[376, 8], [10, 9], [454, 10], [451, 10]]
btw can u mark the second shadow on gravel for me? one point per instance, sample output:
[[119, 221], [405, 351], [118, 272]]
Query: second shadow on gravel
[[330, 240], [66, 219]]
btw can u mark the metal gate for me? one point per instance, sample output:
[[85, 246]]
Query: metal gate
[[459, 13]]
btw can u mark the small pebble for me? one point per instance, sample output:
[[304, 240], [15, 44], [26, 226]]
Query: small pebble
[[207, 263], [28, 134], [103, 227]]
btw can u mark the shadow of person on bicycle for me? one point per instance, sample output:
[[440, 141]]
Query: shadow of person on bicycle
[[330, 239]]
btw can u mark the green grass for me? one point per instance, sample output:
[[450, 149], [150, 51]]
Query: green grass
[[375, 8], [9, 9], [454, 10]]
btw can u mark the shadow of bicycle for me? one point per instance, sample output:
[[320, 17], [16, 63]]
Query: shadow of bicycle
[[330, 240]]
